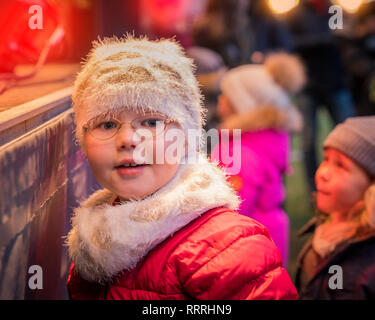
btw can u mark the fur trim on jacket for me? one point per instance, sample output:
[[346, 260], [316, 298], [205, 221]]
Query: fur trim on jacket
[[107, 239]]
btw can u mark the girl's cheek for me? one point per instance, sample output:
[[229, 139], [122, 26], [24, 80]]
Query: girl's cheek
[[175, 147], [317, 176], [159, 148], [145, 152]]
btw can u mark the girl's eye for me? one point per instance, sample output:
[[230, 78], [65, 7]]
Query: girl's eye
[[108, 125], [152, 122], [339, 164]]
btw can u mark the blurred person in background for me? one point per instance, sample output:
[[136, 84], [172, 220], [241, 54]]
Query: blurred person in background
[[315, 43], [210, 68], [270, 33], [359, 58], [224, 28], [256, 99], [169, 18]]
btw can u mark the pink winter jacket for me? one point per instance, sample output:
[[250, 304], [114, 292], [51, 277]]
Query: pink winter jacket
[[264, 159]]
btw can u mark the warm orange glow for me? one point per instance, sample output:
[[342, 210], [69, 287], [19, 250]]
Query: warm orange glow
[[282, 6], [350, 6]]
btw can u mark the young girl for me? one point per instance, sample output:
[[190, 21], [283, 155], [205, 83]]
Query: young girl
[[338, 262], [160, 229], [255, 99]]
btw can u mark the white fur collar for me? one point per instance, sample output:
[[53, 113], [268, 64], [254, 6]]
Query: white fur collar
[[107, 239]]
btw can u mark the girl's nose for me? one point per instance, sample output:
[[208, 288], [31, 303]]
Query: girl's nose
[[322, 174], [126, 137]]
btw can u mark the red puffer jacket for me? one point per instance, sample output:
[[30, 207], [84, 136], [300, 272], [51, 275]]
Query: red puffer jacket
[[220, 255]]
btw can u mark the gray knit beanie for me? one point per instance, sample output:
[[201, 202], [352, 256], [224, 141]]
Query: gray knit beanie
[[356, 139]]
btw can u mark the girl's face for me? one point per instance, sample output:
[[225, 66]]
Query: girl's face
[[108, 158], [224, 107], [340, 182]]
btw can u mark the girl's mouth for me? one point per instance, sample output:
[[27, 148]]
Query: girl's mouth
[[325, 193], [129, 165], [131, 169]]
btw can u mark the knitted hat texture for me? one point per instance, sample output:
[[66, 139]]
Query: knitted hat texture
[[137, 74], [356, 139]]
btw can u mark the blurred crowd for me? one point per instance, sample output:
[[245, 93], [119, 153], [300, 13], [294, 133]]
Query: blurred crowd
[[339, 63], [244, 54]]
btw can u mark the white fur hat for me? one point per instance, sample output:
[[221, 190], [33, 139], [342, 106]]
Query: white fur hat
[[250, 86], [137, 74]]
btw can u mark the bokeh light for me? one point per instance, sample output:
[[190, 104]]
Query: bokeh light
[[350, 6], [282, 6]]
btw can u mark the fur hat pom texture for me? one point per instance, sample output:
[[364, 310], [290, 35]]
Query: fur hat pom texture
[[260, 94], [287, 70]]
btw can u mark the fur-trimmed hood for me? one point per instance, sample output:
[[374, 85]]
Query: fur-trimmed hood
[[107, 239]]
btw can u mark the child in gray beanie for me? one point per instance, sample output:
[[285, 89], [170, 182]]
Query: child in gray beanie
[[338, 262]]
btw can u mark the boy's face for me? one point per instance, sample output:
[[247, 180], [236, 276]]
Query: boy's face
[[107, 159], [340, 182]]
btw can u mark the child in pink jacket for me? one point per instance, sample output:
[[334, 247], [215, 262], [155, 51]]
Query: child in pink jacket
[[255, 99]]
